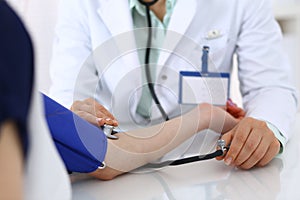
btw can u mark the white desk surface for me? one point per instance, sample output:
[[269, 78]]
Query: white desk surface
[[203, 180]]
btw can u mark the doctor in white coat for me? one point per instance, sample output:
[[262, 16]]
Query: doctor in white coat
[[97, 65]]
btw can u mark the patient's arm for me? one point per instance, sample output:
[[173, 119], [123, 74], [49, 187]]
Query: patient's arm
[[139, 147], [11, 162]]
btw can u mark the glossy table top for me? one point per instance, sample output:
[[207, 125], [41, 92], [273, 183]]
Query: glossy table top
[[202, 180]]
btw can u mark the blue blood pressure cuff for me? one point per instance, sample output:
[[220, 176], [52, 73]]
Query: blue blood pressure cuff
[[81, 145]]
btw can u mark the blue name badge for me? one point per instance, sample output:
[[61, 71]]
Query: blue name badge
[[197, 87]]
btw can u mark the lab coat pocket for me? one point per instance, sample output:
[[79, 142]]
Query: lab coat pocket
[[221, 49], [216, 39]]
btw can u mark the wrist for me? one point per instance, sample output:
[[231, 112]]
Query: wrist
[[279, 136]]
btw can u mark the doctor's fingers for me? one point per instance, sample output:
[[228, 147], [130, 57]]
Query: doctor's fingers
[[93, 119], [253, 149], [273, 150], [99, 109], [253, 143], [236, 138], [101, 114], [90, 118], [260, 148], [264, 153], [93, 112]]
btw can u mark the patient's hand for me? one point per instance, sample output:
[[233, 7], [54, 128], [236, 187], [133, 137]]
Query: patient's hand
[[93, 112]]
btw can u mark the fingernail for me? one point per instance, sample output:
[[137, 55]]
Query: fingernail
[[230, 102], [227, 161], [99, 119], [108, 119], [115, 121]]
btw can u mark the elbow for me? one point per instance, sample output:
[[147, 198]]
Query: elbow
[[106, 177], [106, 174]]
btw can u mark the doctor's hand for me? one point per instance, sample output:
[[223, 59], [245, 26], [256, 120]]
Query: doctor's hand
[[93, 112], [252, 143]]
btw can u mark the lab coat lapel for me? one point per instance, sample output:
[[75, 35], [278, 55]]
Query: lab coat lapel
[[117, 17], [181, 18]]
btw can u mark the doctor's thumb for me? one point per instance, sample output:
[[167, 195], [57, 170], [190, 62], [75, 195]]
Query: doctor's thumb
[[227, 137]]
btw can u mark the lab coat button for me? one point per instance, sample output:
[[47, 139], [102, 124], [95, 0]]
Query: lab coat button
[[164, 77], [212, 34]]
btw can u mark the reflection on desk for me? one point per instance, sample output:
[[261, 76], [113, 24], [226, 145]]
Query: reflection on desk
[[202, 180]]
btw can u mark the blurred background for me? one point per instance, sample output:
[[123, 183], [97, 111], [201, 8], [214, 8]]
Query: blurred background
[[40, 17]]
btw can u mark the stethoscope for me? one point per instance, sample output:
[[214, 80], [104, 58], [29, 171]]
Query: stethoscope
[[147, 58], [109, 130], [222, 148]]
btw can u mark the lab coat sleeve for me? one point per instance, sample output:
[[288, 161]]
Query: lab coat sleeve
[[71, 48], [264, 71]]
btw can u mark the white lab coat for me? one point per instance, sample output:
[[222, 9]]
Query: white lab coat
[[95, 56]]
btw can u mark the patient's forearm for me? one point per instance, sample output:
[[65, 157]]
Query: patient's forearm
[[139, 147], [132, 150]]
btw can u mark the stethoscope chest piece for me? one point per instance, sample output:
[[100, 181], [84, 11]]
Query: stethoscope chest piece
[[108, 130], [221, 144]]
